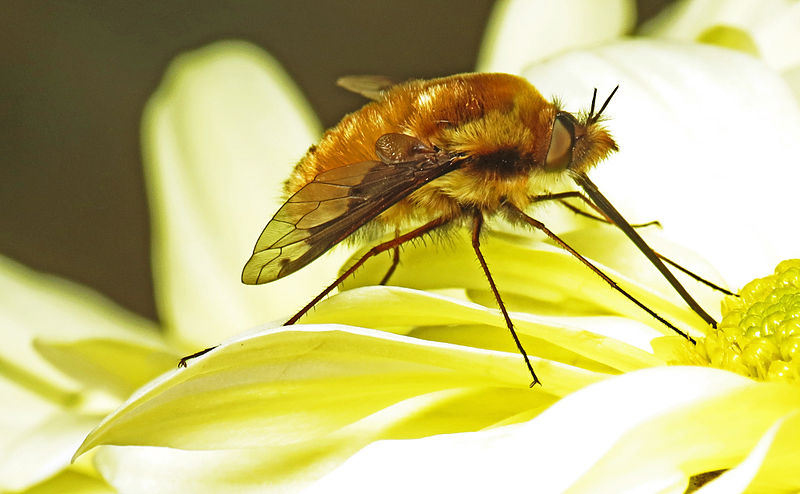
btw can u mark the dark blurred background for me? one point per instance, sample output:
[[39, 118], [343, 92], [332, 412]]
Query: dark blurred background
[[76, 75]]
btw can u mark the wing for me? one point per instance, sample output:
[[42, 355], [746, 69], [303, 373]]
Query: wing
[[369, 86], [338, 202]]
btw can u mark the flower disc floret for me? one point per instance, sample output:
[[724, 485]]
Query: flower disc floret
[[759, 335]]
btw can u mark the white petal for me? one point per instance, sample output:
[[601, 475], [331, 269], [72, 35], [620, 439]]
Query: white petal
[[792, 77], [43, 450], [707, 139], [523, 32], [774, 25], [633, 433]]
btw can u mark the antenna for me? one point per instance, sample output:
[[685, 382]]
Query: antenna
[[594, 118]]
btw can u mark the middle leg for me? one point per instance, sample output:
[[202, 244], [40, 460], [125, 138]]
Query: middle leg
[[477, 224]]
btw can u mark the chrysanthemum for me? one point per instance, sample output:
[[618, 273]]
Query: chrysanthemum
[[418, 385]]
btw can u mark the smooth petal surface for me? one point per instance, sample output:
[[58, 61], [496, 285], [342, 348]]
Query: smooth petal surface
[[540, 278], [705, 137], [302, 400], [792, 77], [23, 416], [115, 366], [780, 464], [43, 450], [522, 32], [220, 137], [774, 460], [251, 470], [680, 424], [438, 318], [70, 481], [34, 306], [773, 25], [286, 386], [44, 413]]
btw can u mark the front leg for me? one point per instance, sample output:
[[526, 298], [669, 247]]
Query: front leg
[[561, 196]]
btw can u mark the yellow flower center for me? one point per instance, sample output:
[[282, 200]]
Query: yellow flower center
[[759, 335]]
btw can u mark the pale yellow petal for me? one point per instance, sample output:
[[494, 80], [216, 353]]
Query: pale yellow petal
[[220, 137], [47, 408], [289, 385], [439, 318], [257, 470], [737, 480], [773, 465], [115, 366], [302, 400], [729, 37], [34, 305], [72, 482], [541, 278]]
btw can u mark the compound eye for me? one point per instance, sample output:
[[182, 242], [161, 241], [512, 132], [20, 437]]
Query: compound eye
[[562, 140]]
